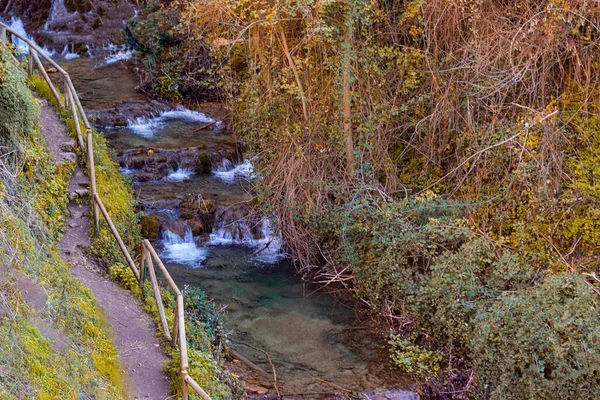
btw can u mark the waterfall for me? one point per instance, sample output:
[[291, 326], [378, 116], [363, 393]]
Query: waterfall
[[180, 174], [182, 250], [123, 54], [69, 55], [17, 25], [58, 11], [227, 171], [147, 127], [242, 232]]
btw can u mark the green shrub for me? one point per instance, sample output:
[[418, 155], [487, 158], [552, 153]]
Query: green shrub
[[540, 343]]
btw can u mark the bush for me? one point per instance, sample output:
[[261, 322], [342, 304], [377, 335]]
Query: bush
[[541, 343]]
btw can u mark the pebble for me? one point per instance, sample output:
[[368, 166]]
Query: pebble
[[82, 192], [256, 389], [72, 157]]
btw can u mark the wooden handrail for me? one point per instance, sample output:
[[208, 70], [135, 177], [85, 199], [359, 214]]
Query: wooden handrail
[[149, 256]]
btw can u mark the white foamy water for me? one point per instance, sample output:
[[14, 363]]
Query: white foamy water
[[144, 126], [22, 47], [147, 127], [69, 55], [58, 11], [128, 170], [182, 250], [186, 115], [121, 55], [227, 172], [268, 247], [180, 175]]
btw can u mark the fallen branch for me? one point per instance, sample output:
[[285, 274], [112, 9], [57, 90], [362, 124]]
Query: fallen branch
[[334, 385], [206, 126], [268, 359], [249, 363]]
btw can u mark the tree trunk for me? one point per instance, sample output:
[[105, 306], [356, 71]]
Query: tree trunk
[[346, 99]]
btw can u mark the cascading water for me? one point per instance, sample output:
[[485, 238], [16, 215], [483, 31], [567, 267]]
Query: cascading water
[[68, 54], [210, 238], [182, 250], [148, 127], [122, 54], [241, 231], [180, 174], [22, 47], [58, 12], [227, 171]]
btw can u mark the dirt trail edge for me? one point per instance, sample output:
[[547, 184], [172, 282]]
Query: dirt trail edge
[[134, 331]]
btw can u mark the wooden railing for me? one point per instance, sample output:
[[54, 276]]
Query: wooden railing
[[71, 103]]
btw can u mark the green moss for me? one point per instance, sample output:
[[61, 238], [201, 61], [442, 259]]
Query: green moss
[[204, 164], [149, 226], [117, 196], [32, 214]]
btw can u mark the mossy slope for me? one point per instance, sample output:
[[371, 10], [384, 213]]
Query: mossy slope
[[32, 213]]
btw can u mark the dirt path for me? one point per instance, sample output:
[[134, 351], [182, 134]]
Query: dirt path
[[134, 332]]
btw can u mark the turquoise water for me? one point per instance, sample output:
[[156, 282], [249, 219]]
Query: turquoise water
[[310, 337]]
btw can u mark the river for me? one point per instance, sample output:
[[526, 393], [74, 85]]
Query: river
[[195, 186]]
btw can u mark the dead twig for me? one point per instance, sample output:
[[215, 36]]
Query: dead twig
[[268, 359], [206, 126]]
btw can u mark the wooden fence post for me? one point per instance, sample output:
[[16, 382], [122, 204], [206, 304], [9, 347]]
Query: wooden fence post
[[76, 123], [184, 386], [159, 305], [47, 78], [90, 149], [67, 97], [30, 61]]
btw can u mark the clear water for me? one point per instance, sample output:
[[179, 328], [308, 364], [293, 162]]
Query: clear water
[[306, 333], [167, 134], [101, 86], [309, 336]]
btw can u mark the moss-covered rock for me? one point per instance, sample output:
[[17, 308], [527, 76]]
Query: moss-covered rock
[[149, 224], [204, 164]]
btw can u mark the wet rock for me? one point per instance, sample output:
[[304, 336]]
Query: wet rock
[[129, 110], [240, 222], [72, 22], [204, 164], [199, 214], [197, 227], [152, 164], [150, 226]]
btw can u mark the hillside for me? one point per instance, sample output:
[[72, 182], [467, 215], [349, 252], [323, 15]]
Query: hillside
[[59, 344], [437, 160]]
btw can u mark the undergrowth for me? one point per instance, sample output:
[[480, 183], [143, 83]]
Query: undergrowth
[[204, 354], [33, 202], [437, 159]]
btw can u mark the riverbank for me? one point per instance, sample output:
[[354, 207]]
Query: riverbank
[[178, 194]]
